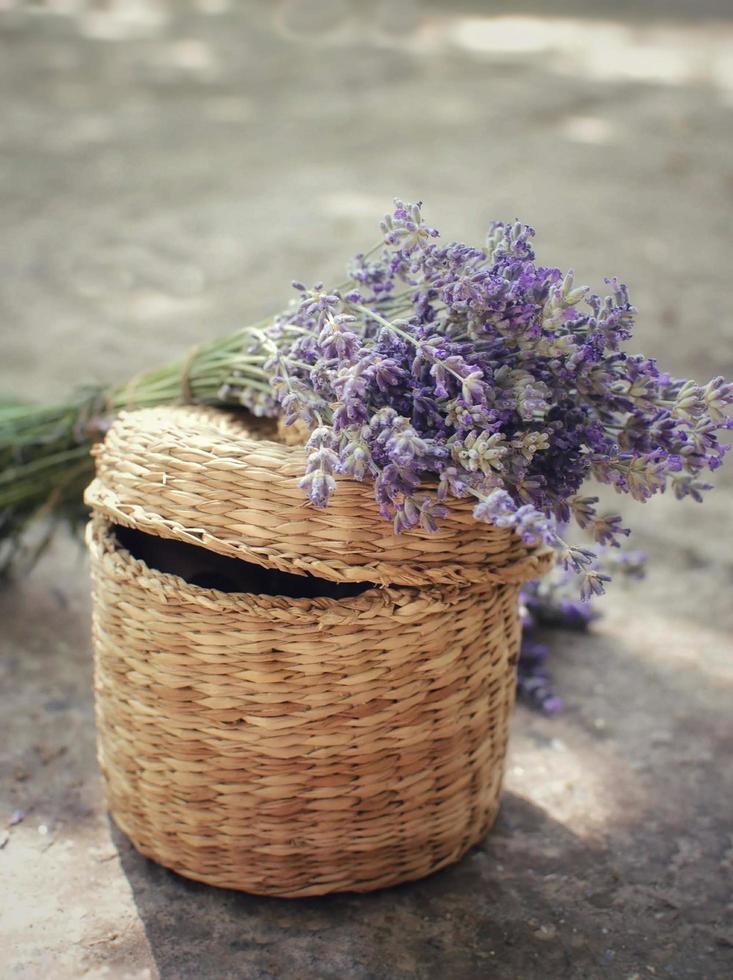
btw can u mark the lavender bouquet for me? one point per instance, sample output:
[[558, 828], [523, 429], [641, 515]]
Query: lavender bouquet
[[478, 373], [436, 372]]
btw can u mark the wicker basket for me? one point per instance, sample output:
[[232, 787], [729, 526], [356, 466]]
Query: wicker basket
[[294, 746]]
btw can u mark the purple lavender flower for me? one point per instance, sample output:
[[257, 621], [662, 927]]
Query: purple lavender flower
[[488, 376], [533, 681], [553, 602]]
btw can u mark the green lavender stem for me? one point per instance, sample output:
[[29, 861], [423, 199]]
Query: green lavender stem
[[44, 449]]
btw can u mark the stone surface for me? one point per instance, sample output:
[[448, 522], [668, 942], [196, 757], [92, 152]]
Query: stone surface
[[165, 170]]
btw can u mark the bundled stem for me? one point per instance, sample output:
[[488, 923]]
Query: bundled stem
[[44, 449]]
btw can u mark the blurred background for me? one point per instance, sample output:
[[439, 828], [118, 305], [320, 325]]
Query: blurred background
[[165, 170]]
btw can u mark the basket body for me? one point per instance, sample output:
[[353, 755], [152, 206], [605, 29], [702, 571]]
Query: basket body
[[296, 746]]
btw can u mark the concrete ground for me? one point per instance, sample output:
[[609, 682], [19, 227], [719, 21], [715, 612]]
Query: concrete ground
[[165, 170]]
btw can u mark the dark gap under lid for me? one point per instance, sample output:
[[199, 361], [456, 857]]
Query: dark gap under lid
[[208, 570]]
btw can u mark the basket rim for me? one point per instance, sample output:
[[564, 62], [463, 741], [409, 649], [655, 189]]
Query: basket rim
[[206, 476], [103, 544]]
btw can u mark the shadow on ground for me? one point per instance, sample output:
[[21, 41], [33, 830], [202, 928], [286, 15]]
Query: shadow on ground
[[453, 924]]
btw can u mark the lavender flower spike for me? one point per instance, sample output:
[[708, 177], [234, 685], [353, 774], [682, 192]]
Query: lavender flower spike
[[481, 373]]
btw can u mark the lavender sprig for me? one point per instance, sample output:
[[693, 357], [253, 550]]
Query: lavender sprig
[[488, 376], [553, 602]]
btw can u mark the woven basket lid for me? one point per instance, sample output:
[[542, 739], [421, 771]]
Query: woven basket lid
[[225, 481]]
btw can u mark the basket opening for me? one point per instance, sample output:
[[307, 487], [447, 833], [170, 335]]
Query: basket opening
[[209, 570]]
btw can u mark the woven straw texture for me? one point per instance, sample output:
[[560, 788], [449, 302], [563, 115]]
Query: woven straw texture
[[291, 746], [209, 478]]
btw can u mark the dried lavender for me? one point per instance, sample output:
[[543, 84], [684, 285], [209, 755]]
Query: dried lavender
[[553, 602], [481, 374], [534, 684], [437, 372]]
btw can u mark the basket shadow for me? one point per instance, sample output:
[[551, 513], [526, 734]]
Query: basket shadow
[[445, 925]]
